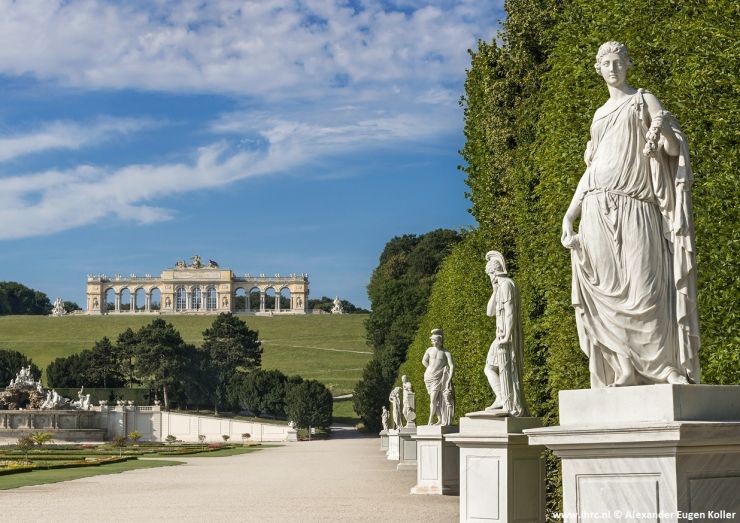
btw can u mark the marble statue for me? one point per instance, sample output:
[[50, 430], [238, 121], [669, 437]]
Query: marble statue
[[409, 403], [505, 358], [438, 379], [395, 399], [197, 264], [384, 418], [58, 309], [633, 257], [337, 308]]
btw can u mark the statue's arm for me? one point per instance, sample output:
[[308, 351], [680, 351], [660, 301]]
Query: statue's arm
[[425, 359], [491, 307], [660, 125], [451, 365], [574, 210]]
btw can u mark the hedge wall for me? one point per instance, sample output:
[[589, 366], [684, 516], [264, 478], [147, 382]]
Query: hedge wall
[[529, 100]]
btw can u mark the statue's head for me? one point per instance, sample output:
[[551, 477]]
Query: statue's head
[[404, 379], [616, 48], [495, 263], [437, 337]]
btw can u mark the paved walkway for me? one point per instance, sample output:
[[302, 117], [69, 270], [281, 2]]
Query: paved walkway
[[346, 478]]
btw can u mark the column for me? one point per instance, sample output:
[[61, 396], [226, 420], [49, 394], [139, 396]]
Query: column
[[277, 302], [133, 301], [188, 298], [262, 301], [118, 301], [148, 301], [248, 302]]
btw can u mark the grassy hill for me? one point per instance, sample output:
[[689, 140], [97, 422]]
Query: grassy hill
[[327, 348]]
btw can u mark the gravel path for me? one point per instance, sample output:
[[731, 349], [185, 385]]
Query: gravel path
[[346, 478]]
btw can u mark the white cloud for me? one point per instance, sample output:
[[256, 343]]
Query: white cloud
[[68, 135], [270, 48], [318, 77]]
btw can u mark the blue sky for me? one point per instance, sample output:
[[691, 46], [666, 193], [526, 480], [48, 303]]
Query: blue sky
[[274, 136]]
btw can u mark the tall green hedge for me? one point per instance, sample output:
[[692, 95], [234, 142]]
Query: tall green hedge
[[529, 100]]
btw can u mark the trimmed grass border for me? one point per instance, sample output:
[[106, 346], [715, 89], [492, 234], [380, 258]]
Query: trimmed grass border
[[43, 476]]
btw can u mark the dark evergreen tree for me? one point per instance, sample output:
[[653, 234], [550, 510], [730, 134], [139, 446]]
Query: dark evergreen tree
[[309, 404], [11, 362]]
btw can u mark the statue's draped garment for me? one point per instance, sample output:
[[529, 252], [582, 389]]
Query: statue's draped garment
[[634, 269], [509, 357]]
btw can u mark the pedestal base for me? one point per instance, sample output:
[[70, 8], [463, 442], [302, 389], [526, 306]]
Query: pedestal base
[[407, 449], [682, 464], [438, 461], [384, 440], [393, 445], [502, 478]]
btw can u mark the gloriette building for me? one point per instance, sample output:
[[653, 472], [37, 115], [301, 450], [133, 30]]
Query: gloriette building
[[197, 288]]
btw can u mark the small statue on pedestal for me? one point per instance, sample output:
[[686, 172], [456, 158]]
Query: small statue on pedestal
[[384, 418], [409, 403], [504, 361], [438, 380], [395, 399]]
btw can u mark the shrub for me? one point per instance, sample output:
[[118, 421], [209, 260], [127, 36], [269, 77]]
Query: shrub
[[309, 404]]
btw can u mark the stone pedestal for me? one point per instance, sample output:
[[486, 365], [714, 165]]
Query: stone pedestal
[[502, 478], [384, 440], [654, 452], [393, 445], [407, 449], [437, 462]]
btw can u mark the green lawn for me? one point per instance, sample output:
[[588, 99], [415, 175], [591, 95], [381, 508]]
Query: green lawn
[[327, 348], [39, 477]]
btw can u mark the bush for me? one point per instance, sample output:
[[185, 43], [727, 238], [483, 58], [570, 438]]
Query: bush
[[309, 404]]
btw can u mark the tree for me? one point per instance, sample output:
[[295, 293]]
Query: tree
[[70, 306], [70, 371], [231, 347], [134, 436], [16, 298], [119, 442], [25, 443], [126, 344], [370, 394], [161, 356], [11, 362], [105, 365], [399, 291], [262, 392], [309, 404]]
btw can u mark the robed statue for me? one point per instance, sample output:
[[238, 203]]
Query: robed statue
[[633, 257]]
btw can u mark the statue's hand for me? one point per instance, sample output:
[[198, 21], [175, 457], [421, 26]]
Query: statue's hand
[[569, 239]]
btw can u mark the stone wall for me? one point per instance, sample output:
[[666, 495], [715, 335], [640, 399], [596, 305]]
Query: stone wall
[[105, 423]]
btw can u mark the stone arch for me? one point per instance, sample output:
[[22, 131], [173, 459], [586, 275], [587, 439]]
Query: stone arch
[[255, 299], [109, 299], [154, 299], [241, 300], [270, 301], [124, 300], [138, 298], [286, 299]]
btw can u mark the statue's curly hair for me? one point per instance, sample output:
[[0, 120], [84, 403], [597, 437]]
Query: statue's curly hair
[[612, 47]]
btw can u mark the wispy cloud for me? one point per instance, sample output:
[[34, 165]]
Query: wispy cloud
[[68, 135]]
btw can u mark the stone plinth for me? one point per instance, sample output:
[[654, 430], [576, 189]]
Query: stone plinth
[[502, 478], [394, 443], [407, 449], [671, 450], [384, 440], [437, 462]]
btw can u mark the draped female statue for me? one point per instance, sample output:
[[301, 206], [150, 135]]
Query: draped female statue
[[633, 259]]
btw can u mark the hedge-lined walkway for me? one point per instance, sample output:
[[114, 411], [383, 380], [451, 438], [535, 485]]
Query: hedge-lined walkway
[[342, 479]]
